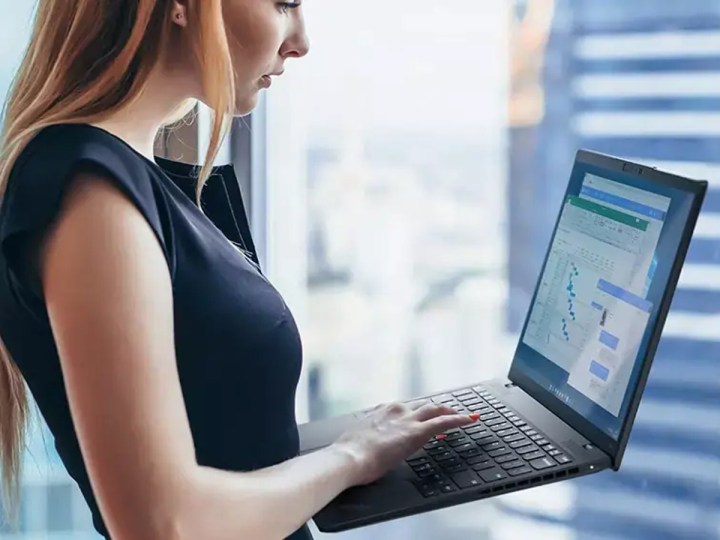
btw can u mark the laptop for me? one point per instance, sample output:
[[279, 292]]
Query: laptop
[[583, 356]]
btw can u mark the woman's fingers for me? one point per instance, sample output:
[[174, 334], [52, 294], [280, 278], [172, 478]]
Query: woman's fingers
[[444, 422], [431, 410]]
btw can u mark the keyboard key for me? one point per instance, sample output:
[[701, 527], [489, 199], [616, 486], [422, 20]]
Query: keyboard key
[[505, 458], [493, 475], [470, 400], [499, 452], [521, 470], [474, 451], [479, 389], [506, 432], [443, 398], [443, 456], [454, 436], [423, 467], [475, 429], [528, 429], [483, 466], [458, 467], [492, 446], [554, 452], [447, 488], [480, 408], [466, 479], [463, 392], [494, 421], [482, 438], [430, 476], [514, 464], [439, 449], [429, 490], [548, 447], [562, 459], [418, 461], [477, 460], [526, 450], [536, 437], [520, 423], [490, 416], [432, 444], [530, 432], [542, 442], [533, 455], [542, 463], [513, 438], [498, 427], [493, 401], [520, 443], [513, 418], [455, 460], [458, 444], [504, 410]]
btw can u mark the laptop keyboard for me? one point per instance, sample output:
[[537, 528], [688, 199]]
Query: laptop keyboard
[[499, 446]]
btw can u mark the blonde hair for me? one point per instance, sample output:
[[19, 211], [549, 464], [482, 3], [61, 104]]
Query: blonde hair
[[87, 59]]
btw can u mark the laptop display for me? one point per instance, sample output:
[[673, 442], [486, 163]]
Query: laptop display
[[597, 301]]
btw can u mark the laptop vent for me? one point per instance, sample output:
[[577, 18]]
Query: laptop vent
[[545, 478]]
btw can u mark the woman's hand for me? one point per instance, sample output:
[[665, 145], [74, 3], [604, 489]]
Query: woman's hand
[[392, 432]]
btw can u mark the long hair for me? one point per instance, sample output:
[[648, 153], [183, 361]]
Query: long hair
[[85, 60]]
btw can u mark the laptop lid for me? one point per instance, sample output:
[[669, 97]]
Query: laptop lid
[[603, 294]]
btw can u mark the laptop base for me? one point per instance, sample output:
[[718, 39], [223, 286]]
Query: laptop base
[[412, 488]]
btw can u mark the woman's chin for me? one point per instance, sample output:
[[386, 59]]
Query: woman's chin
[[246, 104]]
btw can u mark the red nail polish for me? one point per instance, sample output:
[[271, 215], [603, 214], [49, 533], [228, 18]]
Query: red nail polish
[[474, 416], [441, 437]]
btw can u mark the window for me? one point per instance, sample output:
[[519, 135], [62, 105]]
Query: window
[[424, 150]]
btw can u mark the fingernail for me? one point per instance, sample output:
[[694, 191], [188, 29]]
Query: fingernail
[[441, 437], [474, 417]]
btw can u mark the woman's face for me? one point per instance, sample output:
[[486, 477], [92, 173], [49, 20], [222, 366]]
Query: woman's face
[[262, 34]]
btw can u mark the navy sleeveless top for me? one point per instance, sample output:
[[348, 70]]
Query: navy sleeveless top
[[238, 348]]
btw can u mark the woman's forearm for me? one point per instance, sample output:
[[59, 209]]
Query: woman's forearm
[[267, 504]]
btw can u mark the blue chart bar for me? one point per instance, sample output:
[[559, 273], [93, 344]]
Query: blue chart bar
[[623, 203], [608, 339], [597, 306], [599, 370], [625, 296]]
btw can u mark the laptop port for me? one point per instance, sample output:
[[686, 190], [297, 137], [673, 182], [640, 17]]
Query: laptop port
[[574, 471], [510, 486], [524, 483], [496, 489], [561, 474], [536, 480], [548, 477]]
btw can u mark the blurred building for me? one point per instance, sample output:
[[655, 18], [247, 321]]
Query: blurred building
[[639, 80]]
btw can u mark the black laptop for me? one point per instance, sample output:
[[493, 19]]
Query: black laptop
[[583, 357]]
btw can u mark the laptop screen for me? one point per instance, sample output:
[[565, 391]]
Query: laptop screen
[[597, 299]]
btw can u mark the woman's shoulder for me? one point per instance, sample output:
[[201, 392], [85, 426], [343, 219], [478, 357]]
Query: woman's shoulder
[[60, 146], [56, 155]]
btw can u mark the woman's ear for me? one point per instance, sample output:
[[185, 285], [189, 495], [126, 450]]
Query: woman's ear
[[179, 13]]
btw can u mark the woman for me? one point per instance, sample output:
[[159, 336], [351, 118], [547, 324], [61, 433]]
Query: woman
[[162, 360]]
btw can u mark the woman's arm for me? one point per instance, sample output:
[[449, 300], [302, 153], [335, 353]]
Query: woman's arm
[[109, 297]]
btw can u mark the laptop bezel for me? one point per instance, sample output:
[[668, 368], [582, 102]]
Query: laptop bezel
[[616, 448]]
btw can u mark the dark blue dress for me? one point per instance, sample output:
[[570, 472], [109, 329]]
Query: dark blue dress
[[238, 349]]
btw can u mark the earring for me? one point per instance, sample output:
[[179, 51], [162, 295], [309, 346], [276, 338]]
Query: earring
[[179, 16]]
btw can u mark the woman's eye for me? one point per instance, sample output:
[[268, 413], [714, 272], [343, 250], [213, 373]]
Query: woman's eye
[[287, 6]]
